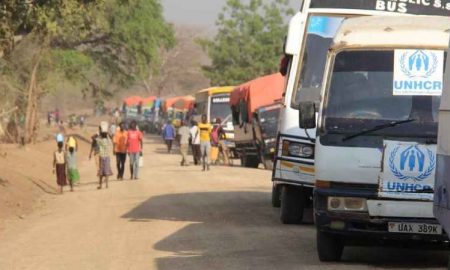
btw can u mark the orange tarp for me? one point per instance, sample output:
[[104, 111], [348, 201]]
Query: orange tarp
[[185, 103], [259, 92], [148, 100], [132, 101], [169, 102]]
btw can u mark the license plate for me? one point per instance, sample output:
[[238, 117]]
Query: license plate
[[420, 228]]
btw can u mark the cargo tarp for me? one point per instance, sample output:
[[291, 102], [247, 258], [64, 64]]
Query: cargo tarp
[[259, 92]]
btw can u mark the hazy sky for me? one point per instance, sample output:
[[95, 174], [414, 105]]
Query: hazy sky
[[198, 12]]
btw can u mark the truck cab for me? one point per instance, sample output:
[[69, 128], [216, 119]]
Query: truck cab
[[266, 127], [442, 181], [375, 154]]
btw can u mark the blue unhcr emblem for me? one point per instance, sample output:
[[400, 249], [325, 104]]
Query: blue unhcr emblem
[[419, 64], [411, 163]]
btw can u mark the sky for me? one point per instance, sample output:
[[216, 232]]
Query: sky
[[198, 12]]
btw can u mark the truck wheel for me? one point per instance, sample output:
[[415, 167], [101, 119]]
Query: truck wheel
[[293, 201], [329, 247], [250, 161], [276, 198], [253, 161]]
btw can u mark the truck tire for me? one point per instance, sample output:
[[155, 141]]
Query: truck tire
[[293, 201], [329, 247], [253, 161], [250, 161], [276, 196]]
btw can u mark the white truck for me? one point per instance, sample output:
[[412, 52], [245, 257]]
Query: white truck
[[310, 33], [375, 153], [442, 181]]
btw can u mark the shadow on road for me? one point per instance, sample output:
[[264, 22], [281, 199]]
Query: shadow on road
[[239, 230]]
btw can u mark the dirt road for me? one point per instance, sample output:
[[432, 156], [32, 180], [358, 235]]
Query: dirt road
[[177, 218]]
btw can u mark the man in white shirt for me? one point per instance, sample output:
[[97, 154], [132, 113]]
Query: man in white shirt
[[184, 135], [195, 142]]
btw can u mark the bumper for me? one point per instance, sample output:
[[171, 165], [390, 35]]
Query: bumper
[[362, 228]]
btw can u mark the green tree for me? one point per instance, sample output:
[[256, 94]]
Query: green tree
[[249, 41], [100, 45]]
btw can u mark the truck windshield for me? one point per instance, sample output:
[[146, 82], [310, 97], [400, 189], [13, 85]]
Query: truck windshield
[[220, 107], [269, 123], [321, 30], [361, 96]]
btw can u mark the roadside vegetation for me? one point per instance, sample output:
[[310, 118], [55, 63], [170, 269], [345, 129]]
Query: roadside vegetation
[[95, 47], [249, 41]]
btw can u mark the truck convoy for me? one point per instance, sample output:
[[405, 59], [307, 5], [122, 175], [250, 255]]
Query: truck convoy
[[375, 152], [252, 104], [309, 36]]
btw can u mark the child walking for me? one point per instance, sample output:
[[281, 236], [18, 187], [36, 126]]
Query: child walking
[[59, 166], [72, 169]]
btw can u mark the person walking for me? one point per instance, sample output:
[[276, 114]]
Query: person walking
[[218, 138], [105, 150], [72, 168], [135, 146], [195, 142], [59, 166], [120, 149], [49, 119], [95, 150], [184, 134], [169, 134], [205, 141]]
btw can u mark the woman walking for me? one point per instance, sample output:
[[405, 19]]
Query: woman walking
[[59, 167], [72, 169], [105, 150]]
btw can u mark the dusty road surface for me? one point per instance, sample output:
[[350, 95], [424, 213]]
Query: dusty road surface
[[177, 218]]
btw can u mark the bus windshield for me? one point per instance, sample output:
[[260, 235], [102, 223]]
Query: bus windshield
[[321, 31], [220, 107], [361, 96]]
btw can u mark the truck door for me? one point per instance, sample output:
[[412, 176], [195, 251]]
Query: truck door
[[442, 182]]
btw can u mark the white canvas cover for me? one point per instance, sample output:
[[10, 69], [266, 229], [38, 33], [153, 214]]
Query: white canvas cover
[[442, 185]]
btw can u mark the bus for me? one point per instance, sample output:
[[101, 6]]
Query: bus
[[214, 103], [309, 36]]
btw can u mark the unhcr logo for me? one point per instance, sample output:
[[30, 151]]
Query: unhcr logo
[[418, 72], [419, 64], [412, 163]]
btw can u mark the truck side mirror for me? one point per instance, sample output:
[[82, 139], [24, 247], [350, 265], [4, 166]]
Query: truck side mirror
[[307, 115]]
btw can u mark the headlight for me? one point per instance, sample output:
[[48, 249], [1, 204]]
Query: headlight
[[352, 204], [297, 149], [267, 141]]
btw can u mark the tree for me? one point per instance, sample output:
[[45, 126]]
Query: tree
[[249, 41], [179, 72], [100, 45]]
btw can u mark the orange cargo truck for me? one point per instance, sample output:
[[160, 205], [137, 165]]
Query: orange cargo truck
[[255, 118]]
